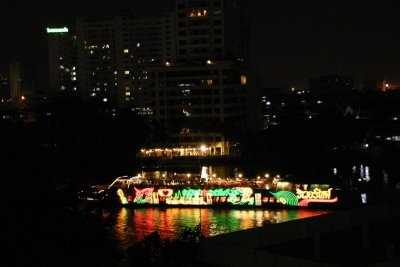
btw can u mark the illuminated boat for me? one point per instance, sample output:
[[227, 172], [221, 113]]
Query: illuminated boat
[[133, 191]]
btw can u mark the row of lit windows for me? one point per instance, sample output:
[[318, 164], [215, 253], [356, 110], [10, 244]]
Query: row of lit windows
[[200, 111]]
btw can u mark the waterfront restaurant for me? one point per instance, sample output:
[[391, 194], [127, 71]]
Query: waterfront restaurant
[[192, 145]]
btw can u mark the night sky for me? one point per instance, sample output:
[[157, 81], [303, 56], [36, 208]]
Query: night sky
[[290, 40]]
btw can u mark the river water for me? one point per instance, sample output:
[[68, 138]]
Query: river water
[[128, 225]]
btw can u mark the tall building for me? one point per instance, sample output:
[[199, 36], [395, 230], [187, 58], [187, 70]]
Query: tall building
[[4, 89], [97, 59], [205, 97], [15, 81], [184, 69], [210, 30], [205, 87], [114, 55], [62, 60]]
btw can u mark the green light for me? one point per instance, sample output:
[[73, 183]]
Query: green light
[[56, 30], [286, 197]]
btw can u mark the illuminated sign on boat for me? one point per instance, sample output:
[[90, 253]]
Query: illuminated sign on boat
[[315, 194], [122, 197], [306, 197], [166, 192], [143, 196]]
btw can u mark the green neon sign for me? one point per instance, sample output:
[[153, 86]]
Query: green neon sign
[[56, 30], [286, 198]]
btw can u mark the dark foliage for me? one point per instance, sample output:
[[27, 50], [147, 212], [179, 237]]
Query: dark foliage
[[155, 251]]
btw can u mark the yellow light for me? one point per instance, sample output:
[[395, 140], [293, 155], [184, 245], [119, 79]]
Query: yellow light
[[167, 64], [126, 51], [209, 62], [22, 97], [243, 79], [266, 175], [126, 72]]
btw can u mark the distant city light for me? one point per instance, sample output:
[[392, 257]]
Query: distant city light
[[56, 30]]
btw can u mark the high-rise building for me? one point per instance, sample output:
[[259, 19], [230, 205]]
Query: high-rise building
[[206, 86], [15, 81], [4, 88], [184, 69], [62, 60], [210, 30], [205, 97], [114, 55]]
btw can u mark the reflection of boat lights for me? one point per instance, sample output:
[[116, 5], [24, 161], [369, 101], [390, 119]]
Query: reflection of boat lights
[[305, 202], [363, 198]]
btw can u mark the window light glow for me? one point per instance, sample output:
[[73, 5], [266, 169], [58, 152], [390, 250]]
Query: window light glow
[[198, 13], [243, 79]]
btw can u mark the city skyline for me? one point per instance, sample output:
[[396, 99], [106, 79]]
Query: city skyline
[[290, 41]]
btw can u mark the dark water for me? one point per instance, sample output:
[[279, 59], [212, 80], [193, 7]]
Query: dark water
[[128, 225]]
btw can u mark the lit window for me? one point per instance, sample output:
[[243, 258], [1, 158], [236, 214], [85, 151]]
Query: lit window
[[209, 82], [127, 93], [209, 62], [167, 64], [243, 79], [127, 72], [198, 13], [126, 51]]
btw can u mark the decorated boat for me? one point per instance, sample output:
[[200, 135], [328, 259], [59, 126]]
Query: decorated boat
[[252, 193]]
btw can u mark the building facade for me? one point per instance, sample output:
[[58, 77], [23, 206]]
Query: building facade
[[62, 60], [186, 69]]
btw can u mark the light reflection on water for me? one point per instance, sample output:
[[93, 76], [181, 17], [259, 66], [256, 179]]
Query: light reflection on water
[[129, 225]]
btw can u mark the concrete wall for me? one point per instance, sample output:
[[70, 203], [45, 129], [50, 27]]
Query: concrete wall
[[245, 248]]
